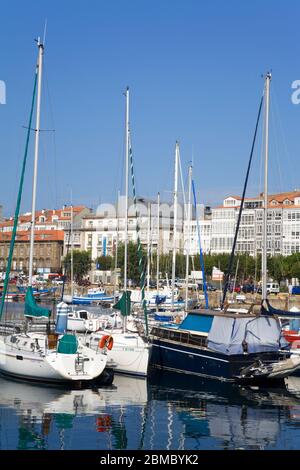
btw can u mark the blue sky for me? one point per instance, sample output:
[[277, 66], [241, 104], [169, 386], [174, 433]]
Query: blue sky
[[194, 70]]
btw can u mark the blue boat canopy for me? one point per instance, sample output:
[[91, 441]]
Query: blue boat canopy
[[195, 321]]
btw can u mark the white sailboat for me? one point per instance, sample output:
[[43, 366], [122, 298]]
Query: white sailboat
[[130, 351], [36, 356]]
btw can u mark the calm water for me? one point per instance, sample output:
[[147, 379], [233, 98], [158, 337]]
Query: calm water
[[161, 414], [168, 411]]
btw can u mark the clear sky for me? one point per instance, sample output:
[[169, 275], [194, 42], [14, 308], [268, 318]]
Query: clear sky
[[194, 70]]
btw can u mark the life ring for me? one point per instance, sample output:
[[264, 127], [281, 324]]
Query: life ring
[[106, 341]]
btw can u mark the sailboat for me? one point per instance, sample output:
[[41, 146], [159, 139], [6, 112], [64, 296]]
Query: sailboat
[[130, 350], [30, 355], [224, 345], [78, 320]]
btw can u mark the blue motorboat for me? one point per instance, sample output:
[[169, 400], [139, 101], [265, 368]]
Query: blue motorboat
[[225, 346]]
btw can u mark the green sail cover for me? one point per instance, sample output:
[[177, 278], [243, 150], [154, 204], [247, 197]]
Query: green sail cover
[[32, 309], [124, 304], [67, 344]]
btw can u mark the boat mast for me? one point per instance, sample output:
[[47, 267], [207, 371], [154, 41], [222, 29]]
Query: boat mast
[[175, 220], [126, 186], [265, 203], [72, 258], [116, 251], [235, 278], [148, 247], [36, 153], [188, 238], [158, 245]]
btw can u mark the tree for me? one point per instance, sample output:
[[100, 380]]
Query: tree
[[132, 261], [105, 263], [82, 263]]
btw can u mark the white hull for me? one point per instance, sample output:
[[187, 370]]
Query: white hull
[[18, 360], [130, 353]]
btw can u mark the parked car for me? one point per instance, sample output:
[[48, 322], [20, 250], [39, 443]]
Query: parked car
[[210, 287], [248, 288], [84, 282], [295, 290], [273, 288], [236, 289], [57, 281]]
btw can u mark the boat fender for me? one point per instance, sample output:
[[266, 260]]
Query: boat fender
[[106, 341]]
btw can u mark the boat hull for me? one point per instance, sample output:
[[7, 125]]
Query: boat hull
[[93, 299], [50, 367], [129, 354], [189, 359]]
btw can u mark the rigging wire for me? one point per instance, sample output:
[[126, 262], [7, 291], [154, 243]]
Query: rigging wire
[[53, 135], [231, 259]]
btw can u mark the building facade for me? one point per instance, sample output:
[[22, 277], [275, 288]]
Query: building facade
[[50, 227], [283, 225], [100, 233]]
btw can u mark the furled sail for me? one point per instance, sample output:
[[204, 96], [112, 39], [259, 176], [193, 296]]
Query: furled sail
[[267, 309], [32, 309], [124, 304]]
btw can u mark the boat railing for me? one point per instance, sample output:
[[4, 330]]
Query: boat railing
[[10, 327], [181, 336]]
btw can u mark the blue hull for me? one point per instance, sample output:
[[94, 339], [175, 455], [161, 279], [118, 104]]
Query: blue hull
[[200, 361], [90, 300]]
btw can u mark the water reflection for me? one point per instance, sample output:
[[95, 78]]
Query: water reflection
[[216, 415], [169, 412]]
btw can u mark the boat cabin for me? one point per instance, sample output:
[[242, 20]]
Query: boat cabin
[[227, 333]]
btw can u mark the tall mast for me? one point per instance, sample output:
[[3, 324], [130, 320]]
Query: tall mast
[[188, 238], [72, 257], [175, 219], [116, 251], [148, 246], [36, 154], [158, 244], [265, 207], [126, 185]]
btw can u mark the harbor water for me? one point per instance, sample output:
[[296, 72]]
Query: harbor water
[[156, 414], [163, 412]]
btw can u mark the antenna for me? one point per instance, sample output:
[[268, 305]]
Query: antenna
[[45, 31]]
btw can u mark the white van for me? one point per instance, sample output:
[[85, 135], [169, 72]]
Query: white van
[[273, 288]]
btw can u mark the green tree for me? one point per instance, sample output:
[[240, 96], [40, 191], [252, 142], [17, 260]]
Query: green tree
[[82, 263], [106, 263], [132, 261]]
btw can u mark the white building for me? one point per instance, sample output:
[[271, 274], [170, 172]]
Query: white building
[[101, 232], [204, 223], [283, 225]]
